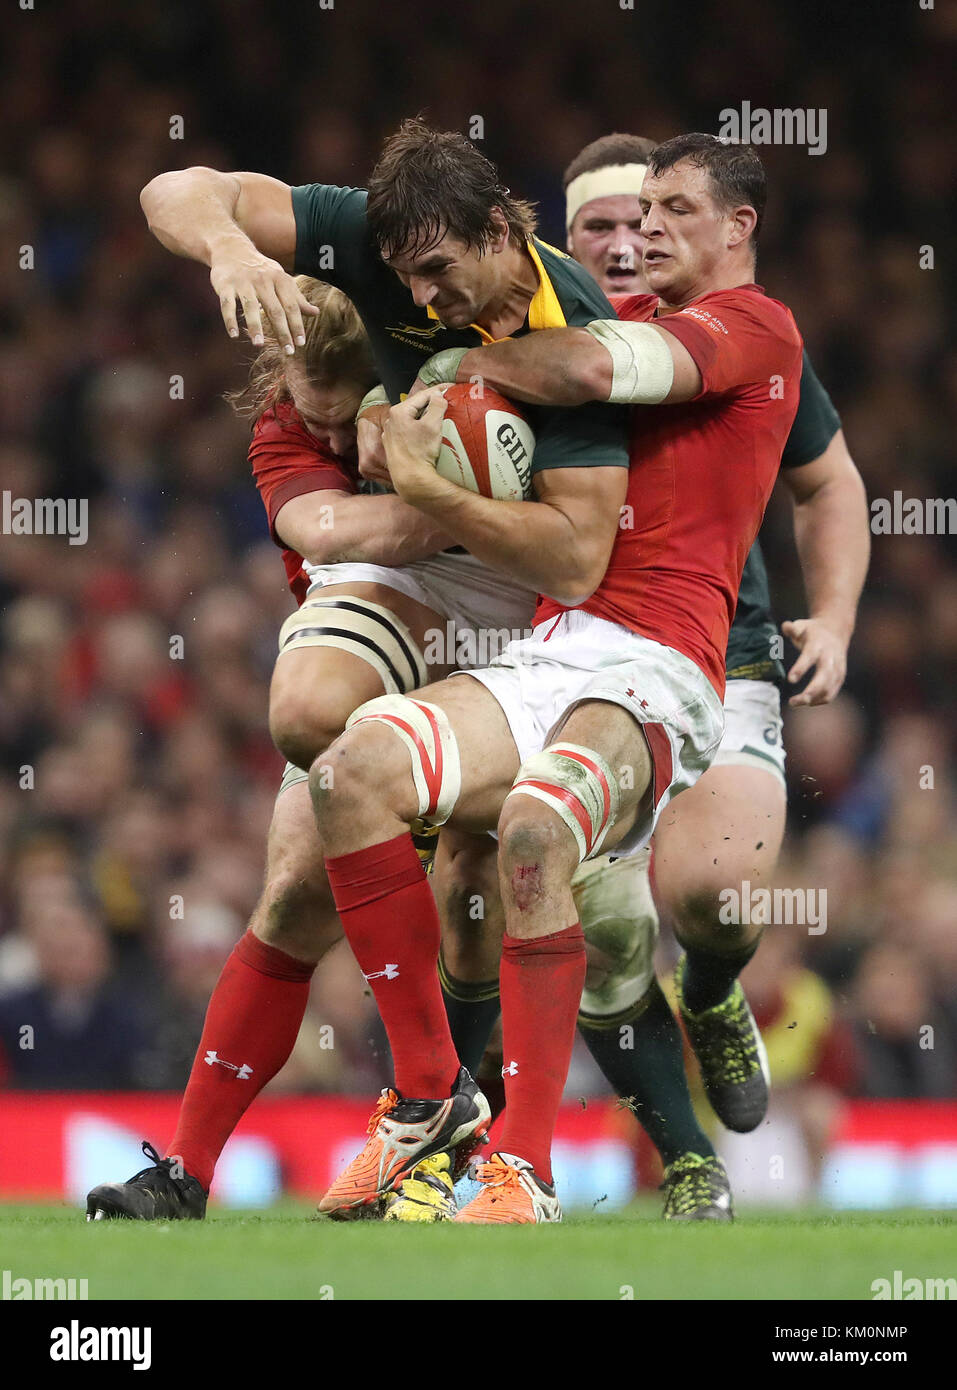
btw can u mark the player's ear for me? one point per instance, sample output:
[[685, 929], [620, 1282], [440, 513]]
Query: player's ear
[[743, 222], [499, 240]]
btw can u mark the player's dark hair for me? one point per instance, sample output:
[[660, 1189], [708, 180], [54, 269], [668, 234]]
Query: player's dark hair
[[609, 149], [431, 182], [737, 174]]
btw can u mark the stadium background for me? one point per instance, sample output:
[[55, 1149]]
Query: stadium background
[[153, 778]]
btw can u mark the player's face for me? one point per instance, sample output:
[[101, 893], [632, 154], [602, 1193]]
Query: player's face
[[685, 234], [455, 280], [606, 239], [328, 412]]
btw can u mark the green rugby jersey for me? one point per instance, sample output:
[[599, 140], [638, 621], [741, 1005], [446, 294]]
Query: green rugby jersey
[[753, 629], [334, 243]]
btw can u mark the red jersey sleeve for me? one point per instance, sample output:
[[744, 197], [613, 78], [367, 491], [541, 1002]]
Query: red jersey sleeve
[[633, 307], [737, 337], [287, 461]]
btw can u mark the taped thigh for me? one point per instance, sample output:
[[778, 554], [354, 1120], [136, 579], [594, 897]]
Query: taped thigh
[[362, 628], [578, 785], [291, 777], [425, 730]]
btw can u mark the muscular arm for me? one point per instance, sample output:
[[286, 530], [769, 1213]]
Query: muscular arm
[[558, 545], [568, 366], [243, 227], [832, 532], [328, 527]]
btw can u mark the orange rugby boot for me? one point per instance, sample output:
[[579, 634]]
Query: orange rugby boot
[[511, 1194], [401, 1133]]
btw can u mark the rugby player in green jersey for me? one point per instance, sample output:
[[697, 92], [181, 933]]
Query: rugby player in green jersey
[[500, 280]]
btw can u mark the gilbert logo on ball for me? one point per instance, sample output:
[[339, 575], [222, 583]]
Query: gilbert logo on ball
[[487, 445]]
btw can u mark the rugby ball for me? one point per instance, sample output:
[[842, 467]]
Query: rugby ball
[[487, 444]]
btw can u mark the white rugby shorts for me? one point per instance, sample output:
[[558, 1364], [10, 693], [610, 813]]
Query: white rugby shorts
[[487, 610], [752, 728], [577, 657]]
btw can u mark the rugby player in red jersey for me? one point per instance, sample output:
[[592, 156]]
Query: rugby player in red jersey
[[729, 828], [576, 739]]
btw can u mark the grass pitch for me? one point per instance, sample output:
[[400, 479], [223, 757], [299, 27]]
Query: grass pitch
[[283, 1254]]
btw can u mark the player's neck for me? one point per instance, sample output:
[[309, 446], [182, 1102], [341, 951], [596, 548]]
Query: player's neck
[[507, 311], [730, 279]]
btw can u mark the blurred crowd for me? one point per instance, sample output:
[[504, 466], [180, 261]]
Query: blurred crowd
[[136, 771]]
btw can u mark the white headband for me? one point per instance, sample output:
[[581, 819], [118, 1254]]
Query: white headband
[[613, 179]]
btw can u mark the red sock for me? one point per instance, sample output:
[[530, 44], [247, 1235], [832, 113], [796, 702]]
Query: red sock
[[390, 919], [252, 1023], [542, 983]]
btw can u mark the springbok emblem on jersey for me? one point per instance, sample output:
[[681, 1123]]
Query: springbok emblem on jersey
[[416, 330]]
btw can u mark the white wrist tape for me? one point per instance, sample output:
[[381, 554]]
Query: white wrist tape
[[441, 367], [377, 396], [643, 368]]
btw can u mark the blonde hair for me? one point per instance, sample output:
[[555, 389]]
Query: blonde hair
[[336, 350]]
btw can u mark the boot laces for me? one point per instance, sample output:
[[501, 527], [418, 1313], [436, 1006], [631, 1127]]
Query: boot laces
[[386, 1102]]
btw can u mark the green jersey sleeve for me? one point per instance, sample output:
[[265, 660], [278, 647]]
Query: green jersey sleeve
[[588, 436], [815, 424], [333, 241]]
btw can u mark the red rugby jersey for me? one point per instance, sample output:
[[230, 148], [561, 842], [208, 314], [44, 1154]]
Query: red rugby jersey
[[288, 461], [700, 475]]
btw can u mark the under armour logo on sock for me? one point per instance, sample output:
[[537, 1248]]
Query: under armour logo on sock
[[391, 972], [243, 1073], [511, 1069]]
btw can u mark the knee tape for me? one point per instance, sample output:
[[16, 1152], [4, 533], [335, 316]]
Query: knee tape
[[578, 785], [427, 734]]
